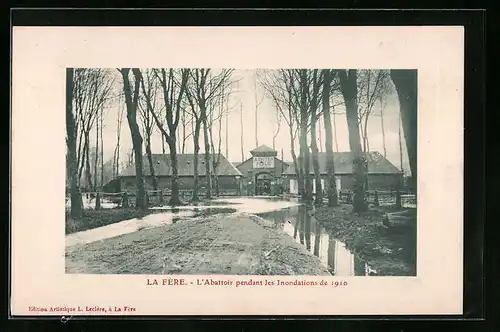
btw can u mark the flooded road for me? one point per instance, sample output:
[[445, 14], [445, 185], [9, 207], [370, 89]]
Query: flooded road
[[291, 216]]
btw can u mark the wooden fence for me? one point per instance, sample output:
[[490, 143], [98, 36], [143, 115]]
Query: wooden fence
[[380, 197], [125, 199]]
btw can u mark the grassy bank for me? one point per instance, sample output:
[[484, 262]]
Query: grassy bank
[[97, 218], [390, 250]]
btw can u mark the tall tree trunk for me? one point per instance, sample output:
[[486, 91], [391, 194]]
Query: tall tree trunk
[[81, 163], [320, 135], [382, 127], [87, 165], [315, 161], [256, 113], [335, 132], [227, 135], [366, 149], [76, 198], [330, 166], [174, 197], [399, 184], [196, 143], [348, 82], [96, 160], [365, 134], [118, 158], [151, 164], [102, 152], [183, 142], [406, 83], [314, 151], [163, 143], [131, 102], [208, 173], [296, 164], [241, 133], [304, 119]]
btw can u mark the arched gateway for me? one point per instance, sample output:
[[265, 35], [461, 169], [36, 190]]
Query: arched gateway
[[262, 173]]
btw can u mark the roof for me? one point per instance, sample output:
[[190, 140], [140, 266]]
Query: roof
[[236, 163], [263, 148], [162, 166], [377, 164]]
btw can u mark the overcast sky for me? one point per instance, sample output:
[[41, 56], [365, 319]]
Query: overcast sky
[[267, 125]]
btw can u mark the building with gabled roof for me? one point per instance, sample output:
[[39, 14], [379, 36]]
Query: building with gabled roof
[[382, 174], [228, 175]]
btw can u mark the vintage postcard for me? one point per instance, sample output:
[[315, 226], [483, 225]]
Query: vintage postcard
[[237, 170]]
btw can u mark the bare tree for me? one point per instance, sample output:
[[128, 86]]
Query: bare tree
[[226, 136], [277, 131], [314, 96], [96, 159], [406, 83], [258, 102], [92, 91], [348, 85], [320, 133], [131, 101], [187, 121], [301, 94], [330, 166], [116, 152], [173, 85], [278, 86], [382, 127], [336, 100], [241, 133], [102, 149], [205, 86], [148, 107], [76, 198], [216, 152], [372, 86]]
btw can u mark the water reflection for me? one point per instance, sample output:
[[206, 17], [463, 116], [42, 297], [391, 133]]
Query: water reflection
[[298, 222]]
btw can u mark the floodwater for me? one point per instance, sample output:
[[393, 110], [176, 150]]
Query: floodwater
[[294, 218], [298, 223]]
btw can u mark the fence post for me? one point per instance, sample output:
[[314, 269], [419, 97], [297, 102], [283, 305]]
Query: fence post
[[98, 201], [398, 199], [377, 203], [161, 196], [146, 198], [125, 200]]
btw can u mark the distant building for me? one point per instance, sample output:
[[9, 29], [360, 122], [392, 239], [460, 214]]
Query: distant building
[[382, 174], [262, 173], [228, 176]]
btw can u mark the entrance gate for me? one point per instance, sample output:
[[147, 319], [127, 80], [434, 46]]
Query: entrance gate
[[263, 184]]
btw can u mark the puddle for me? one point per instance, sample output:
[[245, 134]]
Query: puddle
[[126, 227], [238, 204], [298, 223], [295, 219]]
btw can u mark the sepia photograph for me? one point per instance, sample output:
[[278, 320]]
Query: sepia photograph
[[271, 168], [246, 172]]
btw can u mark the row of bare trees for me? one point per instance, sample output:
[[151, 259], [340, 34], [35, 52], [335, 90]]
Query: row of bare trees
[[304, 96], [168, 101]]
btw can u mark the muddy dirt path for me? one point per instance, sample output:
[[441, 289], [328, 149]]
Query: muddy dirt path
[[237, 243]]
